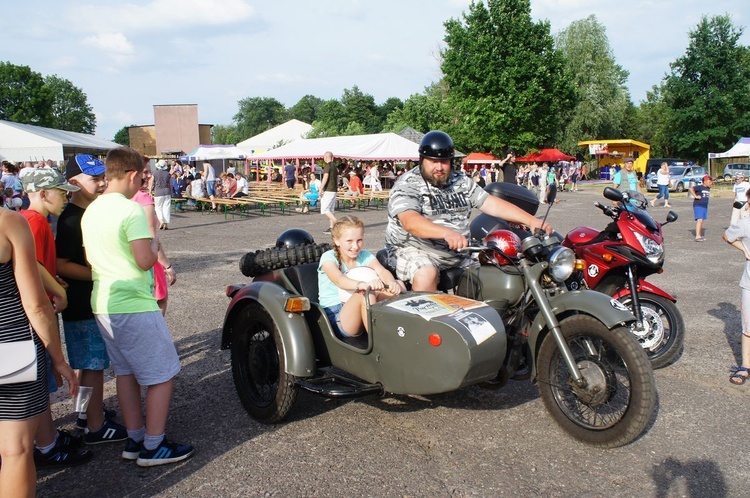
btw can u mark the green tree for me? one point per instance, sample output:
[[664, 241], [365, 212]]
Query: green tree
[[360, 108], [506, 81], [331, 120], [122, 136], [258, 114], [706, 91], [390, 105], [70, 109], [306, 110], [24, 98], [424, 111], [602, 100], [225, 134]]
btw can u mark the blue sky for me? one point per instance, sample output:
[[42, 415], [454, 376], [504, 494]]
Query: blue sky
[[128, 55]]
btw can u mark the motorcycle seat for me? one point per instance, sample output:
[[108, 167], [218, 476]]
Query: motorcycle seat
[[448, 278]]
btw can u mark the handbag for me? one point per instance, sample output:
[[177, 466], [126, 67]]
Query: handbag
[[18, 362]]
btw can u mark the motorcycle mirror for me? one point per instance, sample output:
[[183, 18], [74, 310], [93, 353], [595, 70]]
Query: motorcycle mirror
[[671, 216], [612, 194]]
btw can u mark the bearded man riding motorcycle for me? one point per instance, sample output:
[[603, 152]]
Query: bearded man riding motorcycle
[[428, 215]]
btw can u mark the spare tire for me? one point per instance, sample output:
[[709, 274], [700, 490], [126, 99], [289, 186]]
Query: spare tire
[[267, 260]]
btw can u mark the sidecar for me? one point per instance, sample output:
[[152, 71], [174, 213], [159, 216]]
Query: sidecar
[[419, 343]]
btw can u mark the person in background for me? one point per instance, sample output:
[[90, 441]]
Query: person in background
[[162, 270], [290, 175], [309, 197], [740, 188], [12, 186], [700, 195], [178, 187], [330, 186], [160, 187], [26, 312], [209, 179], [626, 178], [243, 189], [509, 167], [662, 181], [738, 236]]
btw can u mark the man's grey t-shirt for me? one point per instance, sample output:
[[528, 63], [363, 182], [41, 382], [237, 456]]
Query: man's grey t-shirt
[[449, 206]]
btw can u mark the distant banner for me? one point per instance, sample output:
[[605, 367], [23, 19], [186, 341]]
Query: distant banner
[[598, 149]]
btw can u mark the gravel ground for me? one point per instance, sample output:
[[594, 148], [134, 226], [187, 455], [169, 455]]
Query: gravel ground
[[472, 442]]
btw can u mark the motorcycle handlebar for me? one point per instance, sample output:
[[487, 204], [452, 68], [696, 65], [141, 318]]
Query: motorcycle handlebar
[[606, 210]]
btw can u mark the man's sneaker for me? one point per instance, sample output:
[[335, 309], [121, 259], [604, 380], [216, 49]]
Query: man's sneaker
[[81, 423], [67, 440], [132, 450], [166, 452], [61, 456], [110, 432]]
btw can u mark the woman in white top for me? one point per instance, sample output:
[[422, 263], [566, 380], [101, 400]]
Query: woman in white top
[[662, 181], [196, 187]]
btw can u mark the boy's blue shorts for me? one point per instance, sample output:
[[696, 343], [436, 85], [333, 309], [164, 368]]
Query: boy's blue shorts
[[701, 212], [85, 346]]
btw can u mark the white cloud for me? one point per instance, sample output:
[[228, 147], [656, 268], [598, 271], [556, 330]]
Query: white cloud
[[162, 14], [112, 43]]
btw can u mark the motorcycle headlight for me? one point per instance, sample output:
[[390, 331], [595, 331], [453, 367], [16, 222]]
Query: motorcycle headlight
[[561, 264], [654, 252]]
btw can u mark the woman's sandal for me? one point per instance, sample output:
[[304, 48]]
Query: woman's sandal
[[737, 378]]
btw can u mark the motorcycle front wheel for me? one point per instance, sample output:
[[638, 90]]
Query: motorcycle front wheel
[[663, 332], [617, 402], [266, 391]]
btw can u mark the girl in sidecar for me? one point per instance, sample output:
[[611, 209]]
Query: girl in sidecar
[[345, 272]]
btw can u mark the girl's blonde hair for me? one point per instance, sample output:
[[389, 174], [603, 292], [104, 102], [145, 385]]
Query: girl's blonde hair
[[344, 223]]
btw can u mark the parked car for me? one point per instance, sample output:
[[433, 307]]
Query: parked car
[[653, 164], [731, 170], [681, 178]]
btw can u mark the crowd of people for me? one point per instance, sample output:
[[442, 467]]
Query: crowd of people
[[113, 295]]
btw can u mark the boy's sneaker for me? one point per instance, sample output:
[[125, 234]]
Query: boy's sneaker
[[132, 450], [82, 423], [67, 440], [61, 456], [110, 432], [166, 452]]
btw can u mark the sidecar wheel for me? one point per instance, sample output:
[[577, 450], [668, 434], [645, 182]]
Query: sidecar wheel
[[266, 391], [618, 402], [664, 332]]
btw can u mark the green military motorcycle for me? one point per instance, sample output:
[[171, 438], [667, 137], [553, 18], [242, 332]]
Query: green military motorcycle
[[510, 317]]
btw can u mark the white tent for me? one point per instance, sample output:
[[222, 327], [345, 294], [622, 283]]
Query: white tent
[[380, 146], [209, 152], [279, 135], [23, 142], [740, 149]]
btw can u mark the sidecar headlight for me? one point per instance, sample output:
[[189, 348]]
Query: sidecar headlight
[[561, 264], [654, 252]]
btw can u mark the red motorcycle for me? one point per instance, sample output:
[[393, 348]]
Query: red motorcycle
[[617, 260]]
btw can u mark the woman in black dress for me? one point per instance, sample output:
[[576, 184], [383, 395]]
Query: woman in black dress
[[23, 302]]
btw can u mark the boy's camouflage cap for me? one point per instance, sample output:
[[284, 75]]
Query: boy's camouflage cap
[[46, 179]]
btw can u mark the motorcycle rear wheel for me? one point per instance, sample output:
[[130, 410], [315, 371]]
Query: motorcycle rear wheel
[[266, 391], [664, 335], [618, 402]]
